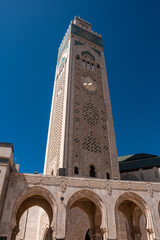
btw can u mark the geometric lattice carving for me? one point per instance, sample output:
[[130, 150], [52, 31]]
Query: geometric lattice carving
[[90, 144], [90, 113], [90, 132]]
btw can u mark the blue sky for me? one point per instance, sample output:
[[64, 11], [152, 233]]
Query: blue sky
[[30, 34]]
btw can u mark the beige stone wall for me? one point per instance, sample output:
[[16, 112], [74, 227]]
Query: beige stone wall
[[55, 142], [121, 226], [81, 131], [105, 194], [77, 224], [89, 129], [44, 224], [3, 183], [146, 175], [6, 165], [28, 224]]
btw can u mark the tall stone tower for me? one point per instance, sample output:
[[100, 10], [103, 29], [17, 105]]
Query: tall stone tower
[[81, 139]]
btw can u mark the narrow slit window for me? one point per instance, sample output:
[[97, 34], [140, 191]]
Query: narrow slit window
[[76, 171], [107, 175], [92, 171]]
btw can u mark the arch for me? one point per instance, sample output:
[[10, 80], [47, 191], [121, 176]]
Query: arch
[[90, 203], [85, 48], [134, 198], [133, 206], [33, 196], [88, 53], [92, 196]]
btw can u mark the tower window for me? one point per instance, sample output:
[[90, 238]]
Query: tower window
[[83, 63], [107, 175], [76, 171], [78, 57], [92, 171], [92, 67], [98, 66], [88, 65]]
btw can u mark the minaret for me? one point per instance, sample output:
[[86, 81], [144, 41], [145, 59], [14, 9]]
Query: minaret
[[81, 138]]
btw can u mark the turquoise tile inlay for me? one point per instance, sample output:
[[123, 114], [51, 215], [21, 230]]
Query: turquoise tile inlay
[[63, 59], [97, 51], [58, 63], [81, 33], [66, 47], [86, 35], [78, 43], [64, 41], [87, 52]]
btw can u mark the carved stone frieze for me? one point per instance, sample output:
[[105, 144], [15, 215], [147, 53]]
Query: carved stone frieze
[[86, 184], [38, 180], [15, 178], [63, 183], [108, 187], [150, 189], [129, 188], [89, 183]]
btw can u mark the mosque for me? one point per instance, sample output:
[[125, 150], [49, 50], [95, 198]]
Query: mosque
[[85, 192]]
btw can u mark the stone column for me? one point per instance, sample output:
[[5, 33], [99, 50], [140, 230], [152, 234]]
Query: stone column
[[61, 222], [112, 233], [153, 221]]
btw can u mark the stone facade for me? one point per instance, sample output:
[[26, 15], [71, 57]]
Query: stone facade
[[80, 195], [81, 137], [110, 208]]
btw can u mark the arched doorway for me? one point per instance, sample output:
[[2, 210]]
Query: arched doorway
[[131, 218], [31, 199], [84, 217]]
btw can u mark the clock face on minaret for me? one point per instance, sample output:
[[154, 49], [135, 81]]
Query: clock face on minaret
[[81, 138]]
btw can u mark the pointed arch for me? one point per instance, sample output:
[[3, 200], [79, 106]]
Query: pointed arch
[[133, 206], [33, 196], [94, 213]]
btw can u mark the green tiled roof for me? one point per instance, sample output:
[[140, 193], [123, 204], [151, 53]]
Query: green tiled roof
[[136, 161], [137, 156], [123, 158]]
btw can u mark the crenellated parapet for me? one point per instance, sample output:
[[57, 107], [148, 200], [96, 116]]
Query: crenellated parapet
[[80, 28]]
